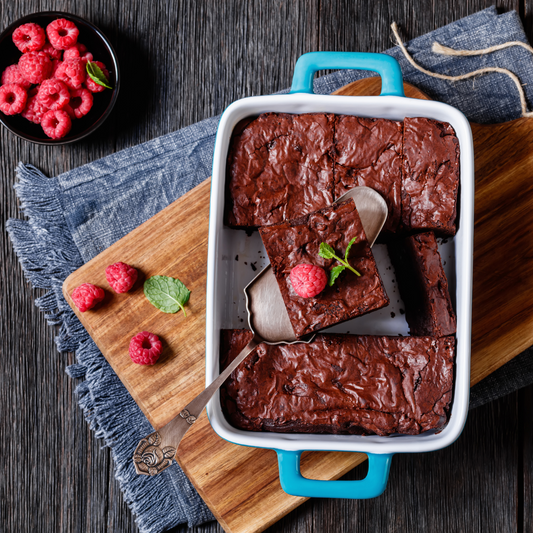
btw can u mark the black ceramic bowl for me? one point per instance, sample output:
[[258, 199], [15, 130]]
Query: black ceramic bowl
[[103, 102]]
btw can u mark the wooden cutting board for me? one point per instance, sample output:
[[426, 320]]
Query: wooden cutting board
[[241, 485]]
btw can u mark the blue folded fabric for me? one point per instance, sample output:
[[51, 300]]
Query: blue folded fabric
[[75, 216]]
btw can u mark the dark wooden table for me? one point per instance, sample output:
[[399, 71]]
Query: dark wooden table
[[183, 61]]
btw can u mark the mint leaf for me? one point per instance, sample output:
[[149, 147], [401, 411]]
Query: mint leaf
[[334, 274], [97, 75], [347, 253], [326, 251], [167, 294]]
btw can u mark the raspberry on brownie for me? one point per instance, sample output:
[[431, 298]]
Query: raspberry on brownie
[[298, 241]]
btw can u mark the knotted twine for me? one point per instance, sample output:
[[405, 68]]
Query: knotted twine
[[444, 50]]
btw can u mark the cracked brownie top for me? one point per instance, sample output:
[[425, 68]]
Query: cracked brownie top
[[368, 153], [280, 166], [340, 384], [430, 177]]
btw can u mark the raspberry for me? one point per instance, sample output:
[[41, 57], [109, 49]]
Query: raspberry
[[56, 124], [29, 37], [86, 296], [54, 53], [12, 75], [53, 94], [308, 280], [78, 51], [62, 33], [92, 85], [55, 66], [119, 275], [34, 110], [12, 99], [81, 101], [145, 348], [72, 72], [35, 66]]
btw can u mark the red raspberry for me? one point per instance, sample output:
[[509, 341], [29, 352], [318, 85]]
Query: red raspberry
[[72, 72], [86, 296], [56, 124], [12, 99], [29, 37], [53, 94], [35, 66], [34, 110], [62, 34], [92, 85], [81, 101], [54, 53], [55, 66], [308, 280], [145, 348], [78, 51], [12, 75], [119, 275]]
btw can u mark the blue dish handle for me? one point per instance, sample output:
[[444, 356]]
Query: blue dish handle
[[292, 481], [386, 66]]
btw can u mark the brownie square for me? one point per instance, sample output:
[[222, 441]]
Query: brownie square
[[280, 166], [430, 176], [423, 285], [341, 384], [369, 153], [297, 241]]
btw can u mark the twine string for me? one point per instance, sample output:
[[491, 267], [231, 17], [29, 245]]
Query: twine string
[[444, 50]]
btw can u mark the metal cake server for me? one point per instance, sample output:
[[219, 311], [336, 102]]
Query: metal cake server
[[269, 321]]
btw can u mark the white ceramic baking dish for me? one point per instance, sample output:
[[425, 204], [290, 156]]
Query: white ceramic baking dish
[[234, 257]]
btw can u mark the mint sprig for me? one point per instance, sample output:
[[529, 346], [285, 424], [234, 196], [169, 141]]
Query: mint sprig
[[167, 294], [97, 75], [327, 252]]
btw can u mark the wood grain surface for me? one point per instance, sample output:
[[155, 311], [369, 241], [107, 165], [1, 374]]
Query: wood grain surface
[[188, 61]]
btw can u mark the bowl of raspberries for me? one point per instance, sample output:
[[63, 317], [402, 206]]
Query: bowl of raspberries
[[59, 78]]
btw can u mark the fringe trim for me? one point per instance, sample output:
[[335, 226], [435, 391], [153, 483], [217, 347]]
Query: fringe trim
[[48, 254]]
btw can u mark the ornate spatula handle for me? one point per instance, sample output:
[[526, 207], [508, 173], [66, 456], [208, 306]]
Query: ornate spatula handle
[[155, 452]]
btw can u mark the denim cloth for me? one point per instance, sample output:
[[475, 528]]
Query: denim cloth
[[74, 216]]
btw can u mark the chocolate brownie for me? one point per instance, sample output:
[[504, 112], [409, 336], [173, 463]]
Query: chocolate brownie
[[423, 285], [343, 384], [280, 166], [368, 152], [298, 241], [430, 182]]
